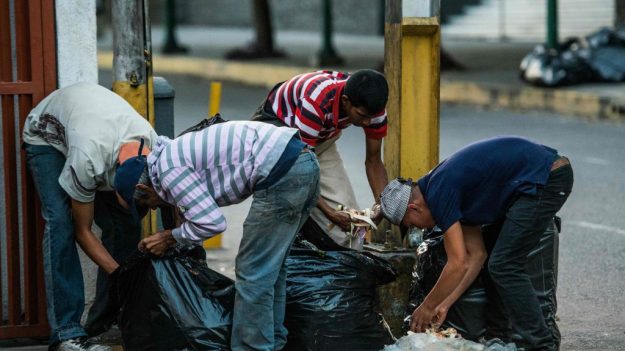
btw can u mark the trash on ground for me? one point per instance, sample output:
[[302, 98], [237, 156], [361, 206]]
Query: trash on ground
[[444, 340], [599, 57], [330, 301], [174, 302]]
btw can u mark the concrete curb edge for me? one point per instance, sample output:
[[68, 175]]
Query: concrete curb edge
[[493, 95]]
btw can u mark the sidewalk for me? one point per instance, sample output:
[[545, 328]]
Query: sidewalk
[[489, 80]]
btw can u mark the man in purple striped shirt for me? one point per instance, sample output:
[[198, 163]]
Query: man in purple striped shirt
[[222, 165]]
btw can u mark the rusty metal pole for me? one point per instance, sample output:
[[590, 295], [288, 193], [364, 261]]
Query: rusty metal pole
[[132, 65]]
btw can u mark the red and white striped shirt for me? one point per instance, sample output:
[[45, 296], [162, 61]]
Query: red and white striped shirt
[[310, 102]]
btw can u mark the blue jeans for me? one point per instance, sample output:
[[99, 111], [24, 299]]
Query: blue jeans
[[62, 273], [62, 270], [276, 215]]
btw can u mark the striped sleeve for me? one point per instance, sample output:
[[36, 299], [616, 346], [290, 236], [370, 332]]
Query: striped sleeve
[[309, 120], [203, 216], [377, 128]]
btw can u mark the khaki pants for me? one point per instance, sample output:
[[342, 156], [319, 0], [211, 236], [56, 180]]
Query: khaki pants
[[335, 189]]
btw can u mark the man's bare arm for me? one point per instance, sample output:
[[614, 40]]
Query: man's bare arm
[[376, 172], [476, 256], [83, 219], [450, 278]]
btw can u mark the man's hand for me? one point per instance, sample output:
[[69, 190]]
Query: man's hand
[[422, 317], [342, 219], [157, 243], [440, 313], [376, 213]]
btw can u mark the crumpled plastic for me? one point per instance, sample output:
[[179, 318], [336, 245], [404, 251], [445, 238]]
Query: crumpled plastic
[[429, 342]]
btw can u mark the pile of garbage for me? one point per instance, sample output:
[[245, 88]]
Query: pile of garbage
[[449, 340], [599, 57]]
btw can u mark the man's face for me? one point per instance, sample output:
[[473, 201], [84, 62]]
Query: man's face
[[151, 200], [418, 216], [358, 116]]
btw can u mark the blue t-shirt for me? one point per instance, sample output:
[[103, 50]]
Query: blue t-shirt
[[476, 184]]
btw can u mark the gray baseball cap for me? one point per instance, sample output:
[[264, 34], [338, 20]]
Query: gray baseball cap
[[394, 199]]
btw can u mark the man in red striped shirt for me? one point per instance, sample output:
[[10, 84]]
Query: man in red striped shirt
[[321, 104]]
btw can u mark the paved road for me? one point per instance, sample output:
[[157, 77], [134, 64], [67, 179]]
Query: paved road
[[592, 249]]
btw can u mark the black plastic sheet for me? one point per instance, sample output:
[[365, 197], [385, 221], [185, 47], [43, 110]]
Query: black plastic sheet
[[469, 314], [174, 303], [331, 299], [599, 57]]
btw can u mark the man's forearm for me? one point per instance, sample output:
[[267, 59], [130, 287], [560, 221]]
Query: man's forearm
[[377, 177], [447, 283], [96, 251], [475, 266]]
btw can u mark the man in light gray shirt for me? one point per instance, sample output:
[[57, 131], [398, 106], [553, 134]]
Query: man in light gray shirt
[[74, 139]]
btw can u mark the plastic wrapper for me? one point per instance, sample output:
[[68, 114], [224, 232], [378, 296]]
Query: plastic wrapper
[[469, 314], [174, 303], [330, 302], [428, 342], [599, 57]]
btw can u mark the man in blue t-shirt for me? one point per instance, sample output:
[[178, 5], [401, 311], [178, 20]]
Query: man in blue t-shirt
[[508, 179]]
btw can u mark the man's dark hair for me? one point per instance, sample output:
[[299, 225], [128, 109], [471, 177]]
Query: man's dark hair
[[367, 88]]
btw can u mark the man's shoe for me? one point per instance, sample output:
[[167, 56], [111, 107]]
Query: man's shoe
[[81, 344]]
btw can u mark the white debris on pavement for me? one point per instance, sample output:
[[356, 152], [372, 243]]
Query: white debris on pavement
[[429, 342]]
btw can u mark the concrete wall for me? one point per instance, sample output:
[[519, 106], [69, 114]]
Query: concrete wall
[[77, 62], [76, 41]]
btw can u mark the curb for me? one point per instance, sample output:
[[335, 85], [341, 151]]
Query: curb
[[567, 102]]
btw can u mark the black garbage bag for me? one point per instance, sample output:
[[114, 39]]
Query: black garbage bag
[[330, 299], [551, 68], [467, 315], [174, 303], [598, 57], [473, 313]]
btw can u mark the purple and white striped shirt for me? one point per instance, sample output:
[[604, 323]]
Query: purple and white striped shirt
[[218, 166]]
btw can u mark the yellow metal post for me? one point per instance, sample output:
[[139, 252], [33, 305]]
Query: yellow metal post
[[419, 136], [215, 99], [412, 68], [214, 103]]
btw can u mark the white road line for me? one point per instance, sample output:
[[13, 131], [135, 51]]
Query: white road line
[[588, 225], [596, 161]]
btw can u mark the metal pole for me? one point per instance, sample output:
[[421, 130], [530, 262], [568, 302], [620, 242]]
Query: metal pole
[[552, 24], [327, 55], [170, 45], [132, 65]]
